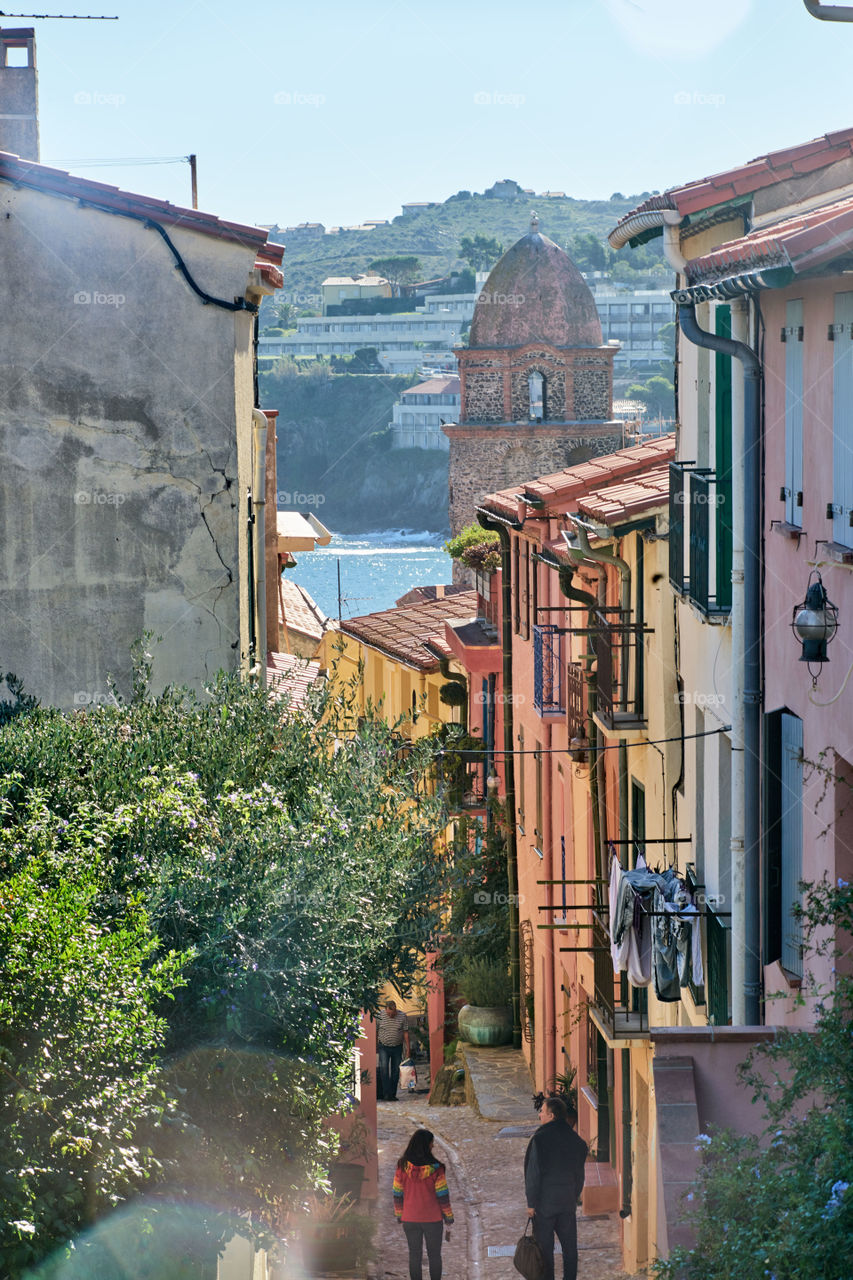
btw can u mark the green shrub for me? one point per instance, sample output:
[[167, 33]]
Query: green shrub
[[485, 983]]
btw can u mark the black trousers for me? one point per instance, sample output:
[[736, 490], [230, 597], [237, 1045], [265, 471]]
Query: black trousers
[[565, 1225], [416, 1234], [390, 1057]]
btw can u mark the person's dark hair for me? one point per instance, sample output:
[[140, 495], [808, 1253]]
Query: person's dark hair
[[558, 1108], [419, 1150]]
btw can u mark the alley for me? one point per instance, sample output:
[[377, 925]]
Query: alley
[[484, 1161]]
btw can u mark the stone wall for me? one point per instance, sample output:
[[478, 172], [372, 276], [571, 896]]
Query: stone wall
[[125, 450], [489, 459]]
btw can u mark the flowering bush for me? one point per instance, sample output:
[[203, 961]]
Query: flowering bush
[[198, 897], [780, 1207]]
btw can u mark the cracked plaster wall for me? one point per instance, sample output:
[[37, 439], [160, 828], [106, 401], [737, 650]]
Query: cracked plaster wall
[[125, 443]]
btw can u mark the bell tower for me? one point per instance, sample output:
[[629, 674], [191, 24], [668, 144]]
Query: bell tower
[[19, 126], [536, 379]]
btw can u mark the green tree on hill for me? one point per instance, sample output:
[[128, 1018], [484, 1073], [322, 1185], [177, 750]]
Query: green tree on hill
[[480, 252], [397, 270]]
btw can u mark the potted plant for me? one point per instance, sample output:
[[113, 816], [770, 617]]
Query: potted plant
[[334, 1235], [346, 1175], [487, 1017]]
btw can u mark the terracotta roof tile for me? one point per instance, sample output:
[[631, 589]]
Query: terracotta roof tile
[[619, 502], [404, 632], [563, 487], [59, 182], [775, 166], [291, 678], [298, 612], [800, 242]]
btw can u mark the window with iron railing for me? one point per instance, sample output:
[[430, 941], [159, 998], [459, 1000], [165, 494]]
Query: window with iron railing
[[700, 546], [548, 668], [619, 648]]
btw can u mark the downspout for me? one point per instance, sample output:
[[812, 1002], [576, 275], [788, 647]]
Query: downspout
[[604, 557], [829, 12], [745, 616], [509, 767], [259, 489]]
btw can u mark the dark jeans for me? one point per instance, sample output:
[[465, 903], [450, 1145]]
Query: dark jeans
[[416, 1234], [566, 1226], [390, 1057]]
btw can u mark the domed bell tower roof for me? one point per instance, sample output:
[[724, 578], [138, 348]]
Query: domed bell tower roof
[[535, 294]]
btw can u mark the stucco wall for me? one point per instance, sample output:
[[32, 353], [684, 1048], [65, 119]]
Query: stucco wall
[[125, 425]]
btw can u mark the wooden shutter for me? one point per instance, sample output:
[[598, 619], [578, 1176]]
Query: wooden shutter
[[791, 821], [842, 420], [794, 412]]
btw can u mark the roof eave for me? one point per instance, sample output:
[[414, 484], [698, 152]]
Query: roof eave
[[735, 286]]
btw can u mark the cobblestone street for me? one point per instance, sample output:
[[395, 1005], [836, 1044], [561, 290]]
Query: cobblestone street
[[484, 1171]]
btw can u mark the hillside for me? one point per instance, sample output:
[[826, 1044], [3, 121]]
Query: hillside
[[433, 235], [334, 455]]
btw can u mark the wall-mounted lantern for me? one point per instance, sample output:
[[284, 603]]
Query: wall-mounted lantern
[[814, 623]]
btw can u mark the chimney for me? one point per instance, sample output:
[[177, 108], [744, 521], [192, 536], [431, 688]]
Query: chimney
[[19, 125]]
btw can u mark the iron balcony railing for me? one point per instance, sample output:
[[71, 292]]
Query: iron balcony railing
[[618, 645], [700, 544], [548, 668], [676, 527], [623, 1008]]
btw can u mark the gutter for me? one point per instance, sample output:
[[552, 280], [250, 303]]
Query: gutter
[[735, 286], [259, 506], [746, 656], [488, 521], [829, 12]]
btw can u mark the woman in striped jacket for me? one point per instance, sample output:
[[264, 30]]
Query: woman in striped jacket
[[422, 1203]]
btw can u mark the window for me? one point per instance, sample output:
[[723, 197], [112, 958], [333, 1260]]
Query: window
[[842, 421], [783, 808], [638, 820], [536, 389]]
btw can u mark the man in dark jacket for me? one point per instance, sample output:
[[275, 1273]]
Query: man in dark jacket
[[553, 1181]]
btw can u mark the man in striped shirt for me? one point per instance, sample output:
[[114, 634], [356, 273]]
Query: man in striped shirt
[[392, 1036]]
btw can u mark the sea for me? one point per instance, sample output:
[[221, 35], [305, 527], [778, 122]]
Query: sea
[[375, 569]]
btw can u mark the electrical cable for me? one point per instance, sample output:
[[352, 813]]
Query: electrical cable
[[564, 751]]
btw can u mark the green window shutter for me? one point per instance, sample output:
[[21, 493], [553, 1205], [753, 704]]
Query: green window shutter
[[792, 841], [723, 460]]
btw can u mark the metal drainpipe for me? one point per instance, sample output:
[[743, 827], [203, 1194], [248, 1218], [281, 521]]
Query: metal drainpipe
[[509, 768], [259, 486], [746, 710], [829, 12]]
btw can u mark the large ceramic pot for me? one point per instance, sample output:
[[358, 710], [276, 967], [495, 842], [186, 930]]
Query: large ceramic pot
[[485, 1026], [325, 1254]]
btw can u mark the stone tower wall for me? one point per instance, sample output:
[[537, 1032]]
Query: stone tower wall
[[487, 459]]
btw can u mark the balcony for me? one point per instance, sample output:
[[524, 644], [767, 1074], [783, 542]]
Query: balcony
[[548, 669], [620, 1011], [700, 538], [619, 648]]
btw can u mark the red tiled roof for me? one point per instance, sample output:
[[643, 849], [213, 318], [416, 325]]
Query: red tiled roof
[[290, 678], [435, 387], [619, 502], [404, 632], [60, 183], [775, 166], [563, 487], [799, 242], [298, 612]]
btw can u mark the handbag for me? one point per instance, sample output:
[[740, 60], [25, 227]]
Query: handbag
[[529, 1259]]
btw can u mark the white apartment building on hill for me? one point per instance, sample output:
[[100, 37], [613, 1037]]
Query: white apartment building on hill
[[420, 411]]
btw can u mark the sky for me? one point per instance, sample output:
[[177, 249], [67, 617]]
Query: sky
[[340, 111]]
